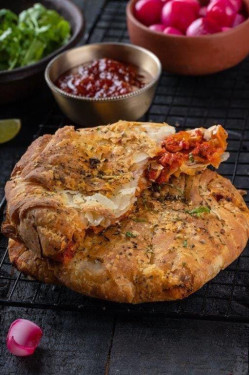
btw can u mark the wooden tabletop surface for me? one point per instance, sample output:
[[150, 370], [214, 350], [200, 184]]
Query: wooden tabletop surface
[[121, 344]]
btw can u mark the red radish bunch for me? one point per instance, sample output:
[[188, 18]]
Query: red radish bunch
[[188, 17]]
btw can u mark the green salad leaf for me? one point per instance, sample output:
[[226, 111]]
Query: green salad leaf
[[27, 38]]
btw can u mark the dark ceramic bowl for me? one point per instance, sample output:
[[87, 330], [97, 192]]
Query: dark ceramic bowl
[[21, 82], [192, 55]]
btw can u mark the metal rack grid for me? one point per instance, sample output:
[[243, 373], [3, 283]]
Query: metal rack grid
[[185, 102]]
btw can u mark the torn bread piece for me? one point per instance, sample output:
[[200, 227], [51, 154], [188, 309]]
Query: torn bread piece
[[189, 152], [78, 179]]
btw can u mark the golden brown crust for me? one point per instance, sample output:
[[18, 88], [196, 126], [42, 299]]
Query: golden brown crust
[[166, 249], [48, 194], [27, 262]]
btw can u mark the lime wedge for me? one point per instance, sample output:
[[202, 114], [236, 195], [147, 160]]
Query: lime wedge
[[9, 128]]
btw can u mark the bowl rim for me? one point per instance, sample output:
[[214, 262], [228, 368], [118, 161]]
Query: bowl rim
[[131, 16], [75, 37], [53, 87]]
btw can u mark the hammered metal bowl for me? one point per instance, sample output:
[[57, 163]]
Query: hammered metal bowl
[[89, 111]]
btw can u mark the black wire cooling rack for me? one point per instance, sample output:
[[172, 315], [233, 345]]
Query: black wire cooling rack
[[186, 102]]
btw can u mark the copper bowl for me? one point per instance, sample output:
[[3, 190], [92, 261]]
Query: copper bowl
[[192, 55]]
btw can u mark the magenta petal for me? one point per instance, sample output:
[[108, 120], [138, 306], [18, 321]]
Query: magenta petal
[[23, 337]]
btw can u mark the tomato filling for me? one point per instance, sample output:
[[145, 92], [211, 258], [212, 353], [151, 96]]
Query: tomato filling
[[188, 149], [67, 254]]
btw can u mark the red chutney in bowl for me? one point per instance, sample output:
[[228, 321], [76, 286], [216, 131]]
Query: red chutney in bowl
[[102, 78]]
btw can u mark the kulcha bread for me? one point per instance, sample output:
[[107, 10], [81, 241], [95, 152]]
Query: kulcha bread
[[73, 180], [166, 249], [126, 212]]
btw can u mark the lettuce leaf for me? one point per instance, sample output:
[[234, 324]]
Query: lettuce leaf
[[27, 38]]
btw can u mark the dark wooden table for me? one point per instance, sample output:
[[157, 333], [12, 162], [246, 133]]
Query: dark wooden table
[[83, 343]]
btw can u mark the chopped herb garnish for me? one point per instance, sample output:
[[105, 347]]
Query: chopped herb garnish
[[140, 220], [191, 158], [184, 264], [185, 243], [199, 210], [130, 235]]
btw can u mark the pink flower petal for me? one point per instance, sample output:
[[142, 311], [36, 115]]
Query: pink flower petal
[[23, 337]]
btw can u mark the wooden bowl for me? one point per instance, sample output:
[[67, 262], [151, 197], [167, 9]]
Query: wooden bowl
[[19, 83], [192, 55]]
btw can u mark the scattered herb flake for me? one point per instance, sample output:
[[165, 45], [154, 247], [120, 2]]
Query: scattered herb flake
[[130, 235], [191, 158], [185, 243], [140, 220], [199, 210]]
